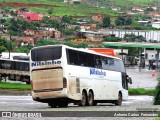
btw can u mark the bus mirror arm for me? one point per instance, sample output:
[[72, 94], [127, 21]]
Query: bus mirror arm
[[129, 79]]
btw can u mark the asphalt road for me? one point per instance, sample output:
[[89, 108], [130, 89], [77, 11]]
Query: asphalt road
[[141, 79], [25, 103]]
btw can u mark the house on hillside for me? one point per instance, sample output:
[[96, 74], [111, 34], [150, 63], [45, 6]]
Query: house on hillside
[[156, 25], [89, 26], [55, 17], [136, 8], [21, 14], [145, 23], [33, 16], [45, 34], [98, 17], [154, 7], [115, 8], [29, 40], [72, 1], [155, 15]]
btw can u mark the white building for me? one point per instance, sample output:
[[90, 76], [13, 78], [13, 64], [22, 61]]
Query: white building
[[72, 1], [147, 34], [156, 25]]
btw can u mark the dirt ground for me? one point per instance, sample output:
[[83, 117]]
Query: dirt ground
[[15, 4]]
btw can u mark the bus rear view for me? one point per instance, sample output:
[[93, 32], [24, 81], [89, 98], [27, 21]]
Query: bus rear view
[[61, 74], [47, 74]]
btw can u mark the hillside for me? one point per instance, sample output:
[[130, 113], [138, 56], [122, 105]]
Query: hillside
[[122, 3], [57, 7]]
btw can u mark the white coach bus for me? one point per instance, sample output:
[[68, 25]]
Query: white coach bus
[[62, 75]]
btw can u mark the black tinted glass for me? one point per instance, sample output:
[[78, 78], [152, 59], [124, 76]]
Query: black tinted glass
[[47, 53]]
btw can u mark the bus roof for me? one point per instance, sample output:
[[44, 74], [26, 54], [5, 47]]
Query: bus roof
[[14, 60], [78, 49]]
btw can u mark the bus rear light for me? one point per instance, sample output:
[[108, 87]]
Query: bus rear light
[[64, 82]]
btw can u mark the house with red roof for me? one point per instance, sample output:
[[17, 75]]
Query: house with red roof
[[98, 17], [155, 15], [33, 16]]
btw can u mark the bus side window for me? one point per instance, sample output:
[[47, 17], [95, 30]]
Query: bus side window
[[72, 57], [82, 59], [90, 60], [98, 63]]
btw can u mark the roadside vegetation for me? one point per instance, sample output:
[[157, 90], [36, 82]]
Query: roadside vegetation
[[17, 86], [141, 91], [157, 93]]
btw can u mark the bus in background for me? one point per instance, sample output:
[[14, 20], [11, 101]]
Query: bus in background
[[62, 75], [16, 70]]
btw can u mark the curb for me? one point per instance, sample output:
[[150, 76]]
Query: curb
[[15, 92]]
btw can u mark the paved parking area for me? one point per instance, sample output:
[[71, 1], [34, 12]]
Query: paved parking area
[[142, 78]]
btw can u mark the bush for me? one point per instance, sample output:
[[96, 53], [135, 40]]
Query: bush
[[140, 91], [157, 94]]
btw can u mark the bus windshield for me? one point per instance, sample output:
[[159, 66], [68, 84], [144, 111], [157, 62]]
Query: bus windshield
[[44, 54]]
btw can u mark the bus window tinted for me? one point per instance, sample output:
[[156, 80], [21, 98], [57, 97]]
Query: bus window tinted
[[119, 66], [89, 60], [72, 57], [43, 54], [82, 59], [108, 63]]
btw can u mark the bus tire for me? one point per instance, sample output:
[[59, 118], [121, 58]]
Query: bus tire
[[94, 103], [28, 82], [90, 98], [52, 105], [119, 101], [83, 101], [63, 104]]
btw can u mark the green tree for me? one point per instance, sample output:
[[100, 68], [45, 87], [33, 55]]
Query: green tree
[[134, 38], [45, 19], [66, 19], [106, 21], [24, 49], [120, 20], [36, 24], [17, 27], [43, 42], [123, 21], [157, 94], [112, 39], [54, 23], [128, 21], [50, 11], [4, 45]]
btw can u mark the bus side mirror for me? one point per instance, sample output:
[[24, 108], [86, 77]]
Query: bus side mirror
[[129, 79]]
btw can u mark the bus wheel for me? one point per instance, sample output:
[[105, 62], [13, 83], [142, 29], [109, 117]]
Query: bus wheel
[[63, 104], [83, 101], [94, 103], [119, 101], [90, 99], [52, 105], [28, 82]]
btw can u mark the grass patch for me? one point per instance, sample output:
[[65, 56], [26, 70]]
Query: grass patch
[[141, 91], [18, 86]]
